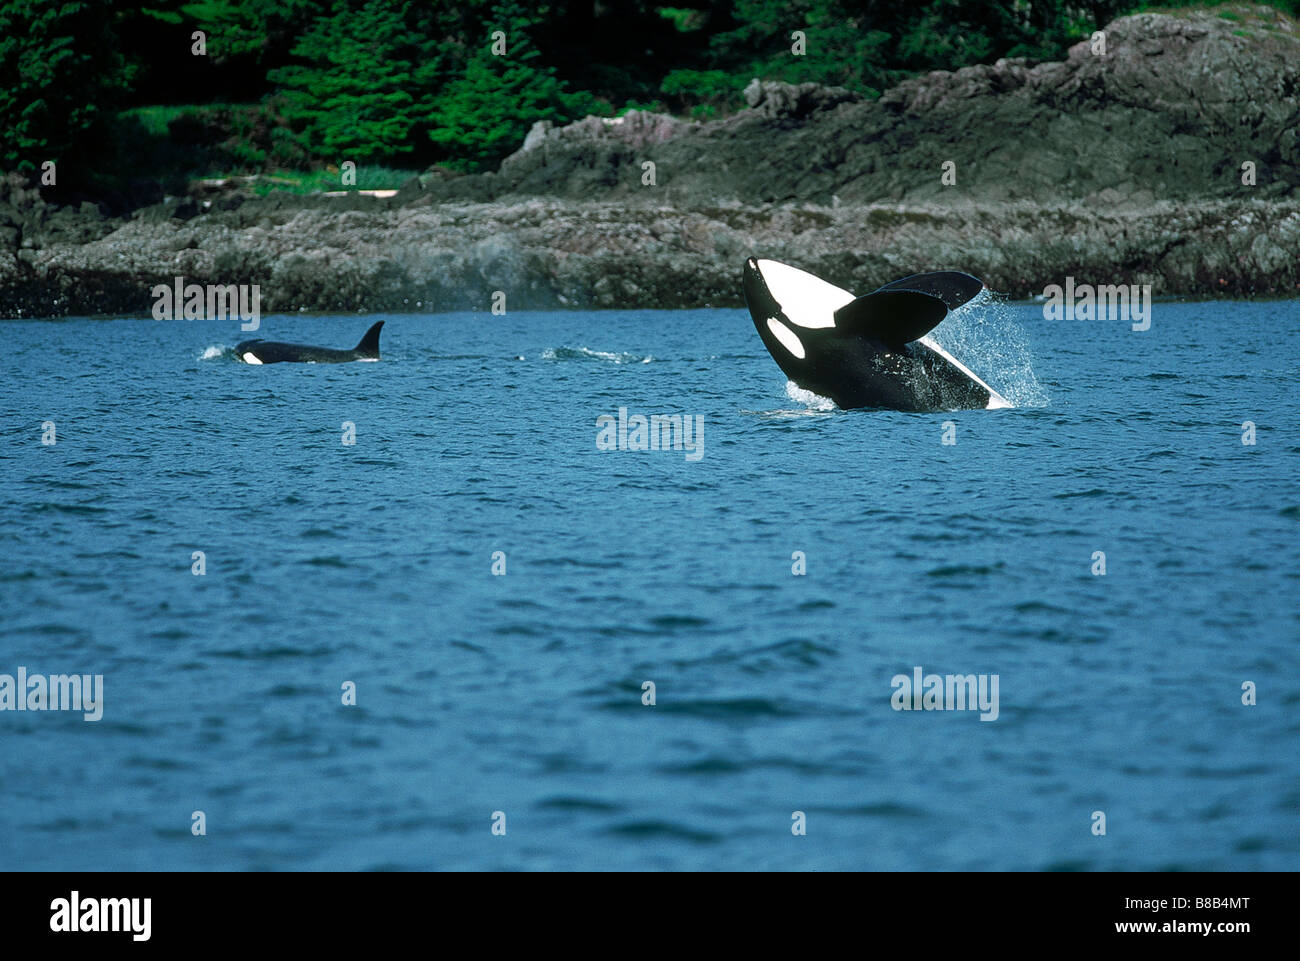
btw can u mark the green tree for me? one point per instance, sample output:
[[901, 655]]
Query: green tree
[[483, 116], [358, 94], [61, 76]]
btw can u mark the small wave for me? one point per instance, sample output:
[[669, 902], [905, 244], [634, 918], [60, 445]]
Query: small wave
[[671, 622], [568, 803], [664, 830], [962, 570], [807, 397], [786, 414], [586, 353]]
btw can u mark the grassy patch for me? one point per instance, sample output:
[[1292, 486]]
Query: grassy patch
[[250, 142], [369, 177]]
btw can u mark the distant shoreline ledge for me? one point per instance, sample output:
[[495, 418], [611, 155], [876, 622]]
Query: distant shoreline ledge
[[307, 254]]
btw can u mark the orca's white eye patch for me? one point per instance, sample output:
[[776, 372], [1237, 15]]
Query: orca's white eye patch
[[251, 358], [788, 338]]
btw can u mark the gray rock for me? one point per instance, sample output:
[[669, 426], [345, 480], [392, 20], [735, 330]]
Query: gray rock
[[778, 101]]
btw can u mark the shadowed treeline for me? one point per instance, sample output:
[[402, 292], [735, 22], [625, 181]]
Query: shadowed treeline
[[112, 90]]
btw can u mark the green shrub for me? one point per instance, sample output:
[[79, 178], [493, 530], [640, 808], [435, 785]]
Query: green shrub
[[712, 89]]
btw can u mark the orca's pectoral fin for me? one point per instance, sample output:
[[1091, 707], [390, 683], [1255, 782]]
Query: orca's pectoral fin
[[369, 344], [892, 317], [953, 287]]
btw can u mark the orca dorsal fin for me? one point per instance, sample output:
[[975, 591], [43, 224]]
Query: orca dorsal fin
[[369, 344], [892, 317]]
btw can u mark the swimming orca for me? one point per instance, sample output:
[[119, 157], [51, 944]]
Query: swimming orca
[[868, 351], [275, 352]]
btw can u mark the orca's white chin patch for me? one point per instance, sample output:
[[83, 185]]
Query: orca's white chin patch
[[788, 338], [250, 357], [806, 300]]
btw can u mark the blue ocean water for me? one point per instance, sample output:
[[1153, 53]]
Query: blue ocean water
[[477, 693]]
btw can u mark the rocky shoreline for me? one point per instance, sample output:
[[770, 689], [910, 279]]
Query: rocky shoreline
[[1115, 168]]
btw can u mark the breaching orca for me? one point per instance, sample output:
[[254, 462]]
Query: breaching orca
[[275, 352], [868, 351]]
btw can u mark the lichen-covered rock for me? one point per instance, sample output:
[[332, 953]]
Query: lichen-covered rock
[[557, 253], [779, 101]]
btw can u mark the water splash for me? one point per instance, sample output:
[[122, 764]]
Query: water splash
[[586, 353], [806, 397], [214, 352], [985, 336]]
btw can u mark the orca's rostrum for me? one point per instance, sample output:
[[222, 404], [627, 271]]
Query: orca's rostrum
[[868, 351]]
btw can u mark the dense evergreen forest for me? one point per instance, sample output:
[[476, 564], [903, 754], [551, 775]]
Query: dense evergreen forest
[[171, 89]]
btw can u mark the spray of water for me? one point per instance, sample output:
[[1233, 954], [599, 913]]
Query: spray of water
[[586, 353], [985, 336], [807, 398]]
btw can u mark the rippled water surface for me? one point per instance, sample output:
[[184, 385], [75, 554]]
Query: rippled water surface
[[522, 693]]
